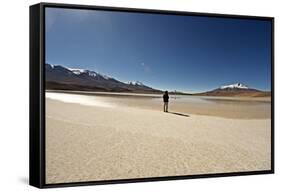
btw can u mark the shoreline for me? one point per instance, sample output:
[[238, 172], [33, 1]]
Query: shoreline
[[186, 104], [154, 95]]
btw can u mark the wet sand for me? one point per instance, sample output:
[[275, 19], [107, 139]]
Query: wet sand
[[119, 138]]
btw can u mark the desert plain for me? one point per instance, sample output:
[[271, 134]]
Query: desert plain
[[107, 136]]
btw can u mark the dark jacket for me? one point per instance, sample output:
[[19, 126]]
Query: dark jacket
[[166, 98]]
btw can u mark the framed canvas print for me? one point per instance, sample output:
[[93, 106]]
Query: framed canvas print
[[122, 95]]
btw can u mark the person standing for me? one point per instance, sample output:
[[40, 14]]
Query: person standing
[[166, 101]]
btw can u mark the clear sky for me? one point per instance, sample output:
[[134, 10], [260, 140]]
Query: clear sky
[[168, 52]]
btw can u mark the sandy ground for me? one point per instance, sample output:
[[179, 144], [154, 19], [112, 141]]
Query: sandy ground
[[87, 143]]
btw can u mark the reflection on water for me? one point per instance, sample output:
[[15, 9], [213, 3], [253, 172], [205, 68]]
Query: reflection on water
[[80, 99], [185, 99], [215, 100]]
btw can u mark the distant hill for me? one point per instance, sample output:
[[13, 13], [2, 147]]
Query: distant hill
[[62, 78], [237, 89]]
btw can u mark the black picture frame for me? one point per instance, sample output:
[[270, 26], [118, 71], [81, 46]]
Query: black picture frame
[[37, 95]]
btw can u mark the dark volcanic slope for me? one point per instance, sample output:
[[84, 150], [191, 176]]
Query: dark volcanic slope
[[62, 78]]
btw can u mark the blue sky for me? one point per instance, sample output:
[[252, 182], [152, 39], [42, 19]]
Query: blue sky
[[184, 53]]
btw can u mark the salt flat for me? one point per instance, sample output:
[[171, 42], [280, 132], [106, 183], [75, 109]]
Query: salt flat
[[120, 139]]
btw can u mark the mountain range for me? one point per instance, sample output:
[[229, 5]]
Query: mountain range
[[62, 78]]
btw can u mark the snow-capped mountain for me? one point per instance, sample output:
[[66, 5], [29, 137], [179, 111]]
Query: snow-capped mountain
[[135, 83], [236, 89], [78, 71], [60, 77], [236, 85]]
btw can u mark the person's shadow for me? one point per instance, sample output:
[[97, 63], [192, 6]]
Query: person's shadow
[[180, 114]]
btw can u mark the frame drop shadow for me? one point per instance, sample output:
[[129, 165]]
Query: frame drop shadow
[[24, 180]]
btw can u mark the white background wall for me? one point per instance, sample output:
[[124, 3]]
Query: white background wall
[[14, 58]]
